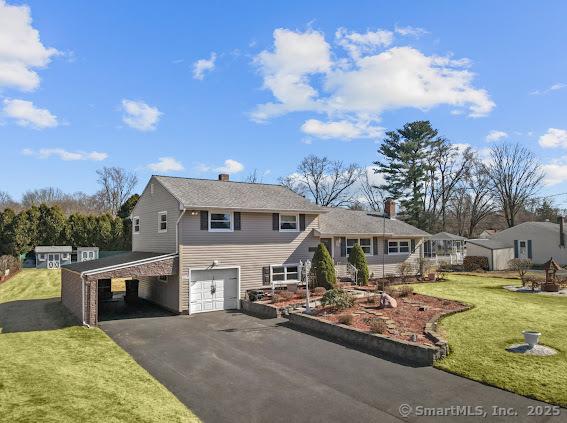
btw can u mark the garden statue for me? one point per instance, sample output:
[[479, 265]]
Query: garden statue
[[550, 267]]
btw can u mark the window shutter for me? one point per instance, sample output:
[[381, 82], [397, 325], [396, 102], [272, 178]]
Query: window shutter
[[275, 221], [386, 246], [412, 246], [529, 249], [236, 221], [301, 222], [375, 245], [516, 249], [266, 275], [343, 247], [204, 220]]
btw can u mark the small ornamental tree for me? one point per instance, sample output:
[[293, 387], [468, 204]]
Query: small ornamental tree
[[323, 269], [521, 266], [358, 259]]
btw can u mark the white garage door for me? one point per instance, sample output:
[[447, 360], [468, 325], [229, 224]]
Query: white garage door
[[212, 290]]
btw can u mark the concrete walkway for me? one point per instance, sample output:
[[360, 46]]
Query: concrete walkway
[[230, 367]]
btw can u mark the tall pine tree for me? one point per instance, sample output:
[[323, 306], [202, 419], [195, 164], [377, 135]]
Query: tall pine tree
[[404, 163]]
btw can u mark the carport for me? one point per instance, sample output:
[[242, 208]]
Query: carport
[[86, 286]]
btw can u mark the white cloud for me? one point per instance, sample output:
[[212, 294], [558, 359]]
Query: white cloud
[[495, 135], [139, 115], [46, 153], [555, 172], [341, 129], [555, 87], [229, 166], [554, 138], [305, 74], [410, 31], [200, 67], [26, 114], [166, 164], [21, 50]]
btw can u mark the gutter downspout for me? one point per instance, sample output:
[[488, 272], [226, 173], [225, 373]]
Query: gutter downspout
[[83, 300], [177, 231]]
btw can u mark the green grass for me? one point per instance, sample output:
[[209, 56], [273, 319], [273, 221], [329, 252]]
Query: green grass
[[54, 371], [478, 337]]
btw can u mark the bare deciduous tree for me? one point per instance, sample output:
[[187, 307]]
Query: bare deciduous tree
[[117, 185], [6, 201], [373, 194], [515, 176], [326, 182], [480, 196], [253, 178]]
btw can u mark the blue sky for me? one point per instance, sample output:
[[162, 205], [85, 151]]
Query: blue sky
[[92, 84]]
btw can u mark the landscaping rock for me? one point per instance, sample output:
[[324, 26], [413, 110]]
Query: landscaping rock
[[388, 301]]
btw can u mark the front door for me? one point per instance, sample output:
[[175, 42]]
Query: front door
[[523, 249], [53, 261]]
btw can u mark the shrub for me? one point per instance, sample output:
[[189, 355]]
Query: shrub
[[392, 292], [474, 263], [377, 326], [319, 290], [9, 263], [532, 281], [323, 269], [337, 298], [346, 319], [301, 293], [405, 291], [405, 269], [281, 296], [520, 265], [358, 259]]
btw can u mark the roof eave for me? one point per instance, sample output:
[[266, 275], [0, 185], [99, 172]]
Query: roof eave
[[253, 210]]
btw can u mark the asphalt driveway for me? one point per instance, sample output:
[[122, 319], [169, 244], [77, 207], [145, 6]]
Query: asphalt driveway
[[230, 367]]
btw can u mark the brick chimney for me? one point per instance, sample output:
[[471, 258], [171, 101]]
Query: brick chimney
[[561, 232], [225, 177], [390, 208]]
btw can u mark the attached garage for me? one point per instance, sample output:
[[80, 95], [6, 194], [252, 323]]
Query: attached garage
[[214, 289], [498, 253]]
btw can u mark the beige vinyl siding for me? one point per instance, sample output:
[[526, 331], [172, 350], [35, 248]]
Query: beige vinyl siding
[[391, 261], [256, 245], [497, 259], [147, 209], [165, 294]]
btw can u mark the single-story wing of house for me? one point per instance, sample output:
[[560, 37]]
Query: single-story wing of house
[[498, 253], [199, 245]]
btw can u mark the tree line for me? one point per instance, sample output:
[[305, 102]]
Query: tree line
[[440, 186]]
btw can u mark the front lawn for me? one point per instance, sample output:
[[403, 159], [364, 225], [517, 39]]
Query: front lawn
[[54, 371], [478, 338]]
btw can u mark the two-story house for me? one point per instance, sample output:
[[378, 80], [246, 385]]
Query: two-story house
[[198, 245]]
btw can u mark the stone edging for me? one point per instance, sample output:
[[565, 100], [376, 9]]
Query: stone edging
[[405, 351], [260, 310], [431, 330]]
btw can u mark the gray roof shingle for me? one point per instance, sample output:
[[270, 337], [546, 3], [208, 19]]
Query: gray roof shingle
[[207, 193], [53, 249], [340, 221], [491, 244]]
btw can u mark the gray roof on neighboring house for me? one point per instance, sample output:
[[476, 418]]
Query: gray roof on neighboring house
[[207, 193], [87, 248], [537, 226], [53, 249], [340, 221], [490, 244], [116, 260], [446, 236]]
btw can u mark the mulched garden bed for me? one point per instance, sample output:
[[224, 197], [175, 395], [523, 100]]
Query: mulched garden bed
[[409, 318]]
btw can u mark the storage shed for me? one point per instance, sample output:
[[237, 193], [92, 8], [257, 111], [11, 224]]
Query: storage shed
[[86, 253], [52, 256], [499, 253]]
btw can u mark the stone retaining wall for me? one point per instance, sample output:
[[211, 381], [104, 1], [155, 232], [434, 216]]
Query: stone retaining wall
[[259, 310], [408, 352]]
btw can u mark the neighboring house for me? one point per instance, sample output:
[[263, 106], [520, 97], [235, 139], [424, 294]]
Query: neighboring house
[[499, 253], [199, 245], [52, 256], [87, 253], [487, 233], [538, 241]]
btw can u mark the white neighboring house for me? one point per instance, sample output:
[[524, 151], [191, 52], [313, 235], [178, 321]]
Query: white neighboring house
[[538, 241], [498, 253], [487, 233]]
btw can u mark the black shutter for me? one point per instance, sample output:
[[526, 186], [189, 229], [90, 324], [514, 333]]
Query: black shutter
[[276, 221], [301, 222], [266, 275], [375, 245], [516, 249], [236, 221], [343, 247], [385, 246], [412, 246], [530, 249], [204, 220]]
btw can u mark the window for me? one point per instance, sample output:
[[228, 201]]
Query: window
[[87, 255], [162, 221], [365, 244], [41, 257], [285, 273], [136, 224], [162, 278], [399, 247], [220, 222], [289, 222]]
